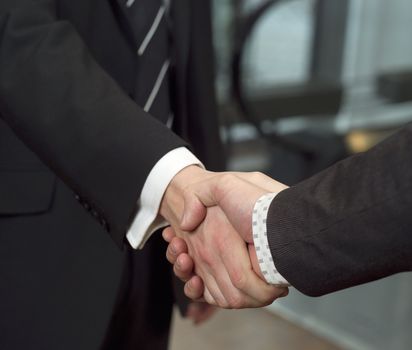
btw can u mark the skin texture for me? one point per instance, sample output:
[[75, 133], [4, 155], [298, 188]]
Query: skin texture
[[219, 251]]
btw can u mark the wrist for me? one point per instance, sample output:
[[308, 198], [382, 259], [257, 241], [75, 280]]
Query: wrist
[[172, 205]]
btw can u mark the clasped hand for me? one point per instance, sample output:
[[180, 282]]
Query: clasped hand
[[210, 238]]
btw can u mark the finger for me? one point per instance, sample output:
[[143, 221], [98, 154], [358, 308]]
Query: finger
[[179, 245], [211, 269], [168, 234], [256, 268], [285, 293], [212, 292], [260, 292], [234, 297], [272, 291], [228, 263], [254, 261], [194, 288], [176, 247], [256, 292], [268, 293], [209, 297], [183, 268]]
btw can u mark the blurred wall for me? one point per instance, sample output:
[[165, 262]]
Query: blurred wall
[[378, 38]]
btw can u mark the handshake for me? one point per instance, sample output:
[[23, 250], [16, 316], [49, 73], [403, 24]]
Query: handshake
[[211, 243]]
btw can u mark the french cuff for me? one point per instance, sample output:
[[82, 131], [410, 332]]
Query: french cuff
[[260, 239], [147, 219]]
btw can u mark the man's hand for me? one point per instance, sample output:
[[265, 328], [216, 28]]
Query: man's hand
[[183, 266], [219, 254], [236, 194]]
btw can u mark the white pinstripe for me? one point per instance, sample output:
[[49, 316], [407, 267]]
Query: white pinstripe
[[170, 120], [157, 86], [151, 31]]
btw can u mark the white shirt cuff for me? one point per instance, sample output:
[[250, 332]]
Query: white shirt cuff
[[260, 239], [147, 219]]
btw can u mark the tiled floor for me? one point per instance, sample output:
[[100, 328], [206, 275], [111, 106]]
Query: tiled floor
[[244, 330]]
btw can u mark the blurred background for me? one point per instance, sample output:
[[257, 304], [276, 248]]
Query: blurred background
[[301, 85]]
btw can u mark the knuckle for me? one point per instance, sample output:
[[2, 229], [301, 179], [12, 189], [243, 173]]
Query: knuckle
[[268, 301], [221, 302], [285, 293], [209, 299], [269, 297], [190, 291], [238, 279], [226, 179], [221, 244], [206, 257], [173, 248], [184, 276], [257, 175], [187, 192], [169, 257], [178, 246]]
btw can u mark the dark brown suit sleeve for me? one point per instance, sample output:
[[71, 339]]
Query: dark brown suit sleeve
[[349, 224], [73, 115]]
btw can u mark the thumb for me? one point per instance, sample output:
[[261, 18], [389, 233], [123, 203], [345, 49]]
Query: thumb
[[197, 198], [193, 214]]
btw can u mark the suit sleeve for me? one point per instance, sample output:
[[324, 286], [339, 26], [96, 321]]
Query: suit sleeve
[[349, 224], [75, 117]]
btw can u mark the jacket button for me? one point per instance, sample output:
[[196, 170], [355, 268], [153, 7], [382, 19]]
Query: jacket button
[[86, 206], [77, 197], [95, 213]]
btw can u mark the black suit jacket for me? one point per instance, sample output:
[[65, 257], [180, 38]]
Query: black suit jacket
[[348, 225], [70, 132], [67, 71]]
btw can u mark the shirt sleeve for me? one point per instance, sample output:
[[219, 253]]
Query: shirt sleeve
[[260, 239], [147, 219]]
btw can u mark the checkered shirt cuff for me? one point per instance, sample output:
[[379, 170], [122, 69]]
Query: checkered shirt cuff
[[260, 239]]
